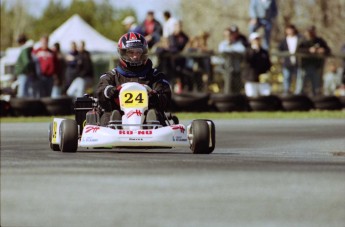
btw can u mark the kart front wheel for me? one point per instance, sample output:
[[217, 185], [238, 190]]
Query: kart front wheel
[[54, 147], [203, 137], [69, 136]]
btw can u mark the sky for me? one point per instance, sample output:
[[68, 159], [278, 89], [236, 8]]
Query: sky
[[36, 7]]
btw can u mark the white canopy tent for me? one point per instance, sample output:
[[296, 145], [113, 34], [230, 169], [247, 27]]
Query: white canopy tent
[[76, 29]]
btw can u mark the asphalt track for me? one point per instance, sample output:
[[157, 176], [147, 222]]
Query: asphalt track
[[262, 173]]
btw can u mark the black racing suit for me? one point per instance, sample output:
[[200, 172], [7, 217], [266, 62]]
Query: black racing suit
[[144, 75]]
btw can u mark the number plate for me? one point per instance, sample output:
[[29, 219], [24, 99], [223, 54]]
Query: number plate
[[130, 99], [54, 132]]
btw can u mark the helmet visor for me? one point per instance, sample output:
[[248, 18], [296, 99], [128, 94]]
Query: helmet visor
[[135, 56]]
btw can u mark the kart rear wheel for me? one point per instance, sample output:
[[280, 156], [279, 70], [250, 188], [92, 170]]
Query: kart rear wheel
[[69, 136], [54, 147], [203, 134]]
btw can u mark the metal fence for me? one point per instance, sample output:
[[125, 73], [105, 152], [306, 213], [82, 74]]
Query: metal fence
[[223, 73]]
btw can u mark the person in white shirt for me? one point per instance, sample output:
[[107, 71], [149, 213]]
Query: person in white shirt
[[290, 68], [169, 24], [232, 44], [331, 80], [131, 26]]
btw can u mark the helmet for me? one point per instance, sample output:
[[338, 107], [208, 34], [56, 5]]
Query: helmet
[[133, 50]]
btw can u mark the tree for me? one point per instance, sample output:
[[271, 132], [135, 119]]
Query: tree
[[215, 15], [53, 16], [14, 21], [101, 15]]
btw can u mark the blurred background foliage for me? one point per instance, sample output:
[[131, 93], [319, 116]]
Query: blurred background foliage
[[211, 16], [214, 16], [101, 15]]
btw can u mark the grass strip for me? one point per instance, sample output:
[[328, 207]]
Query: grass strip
[[213, 116]]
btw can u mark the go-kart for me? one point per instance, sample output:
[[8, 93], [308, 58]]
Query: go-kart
[[132, 131]]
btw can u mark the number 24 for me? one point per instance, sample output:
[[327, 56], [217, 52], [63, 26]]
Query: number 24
[[129, 98]]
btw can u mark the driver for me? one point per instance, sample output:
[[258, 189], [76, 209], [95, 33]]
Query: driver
[[134, 66]]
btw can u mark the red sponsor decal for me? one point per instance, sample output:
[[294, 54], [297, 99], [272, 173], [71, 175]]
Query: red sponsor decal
[[124, 132], [145, 132], [132, 112], [91, 129], [178, 127], [139, 132]]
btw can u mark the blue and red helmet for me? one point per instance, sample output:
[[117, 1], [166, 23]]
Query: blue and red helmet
[[133, 50]]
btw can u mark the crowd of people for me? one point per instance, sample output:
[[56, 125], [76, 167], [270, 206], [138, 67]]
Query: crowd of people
[[304, 64], [47, 72], [50, 73]]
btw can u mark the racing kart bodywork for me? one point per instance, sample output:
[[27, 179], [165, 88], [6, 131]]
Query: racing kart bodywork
[[133, 131]]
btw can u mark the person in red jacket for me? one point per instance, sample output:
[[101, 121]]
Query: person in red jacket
[[46, 66]]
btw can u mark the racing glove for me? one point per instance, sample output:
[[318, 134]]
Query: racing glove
[[111, 92], [154, 98]]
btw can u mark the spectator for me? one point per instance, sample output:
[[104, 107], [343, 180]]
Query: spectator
[[332, 79], [232, 44], [177, 42], [343, 75], [203, 41], [161, 48], [262, 14], [204, 63], [71, 65], [46, 60], [312, 65], [152, 29], [192, 67], [84, 73], [131, 25], [258, 63], [289, 44], [235, 31], [169, 24], [60, 71], [198, 68], [25, 68]]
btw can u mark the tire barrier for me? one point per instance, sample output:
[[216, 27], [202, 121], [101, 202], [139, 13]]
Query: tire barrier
[[5, 108], [327, 103], [296, 103], [192, 102], [58, 106], [41, 107], [265, 103], [27, 107], [228, 103], [342, 100]]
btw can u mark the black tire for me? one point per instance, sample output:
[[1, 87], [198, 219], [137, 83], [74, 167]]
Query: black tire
[[191, 102], [296, 103], [58, 106], [5, 108], [201, 137], [213, 135], [265, 103], [27, 107], [54, 147], [327, 103], [342, 100], [228, 103], [69, 136]]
